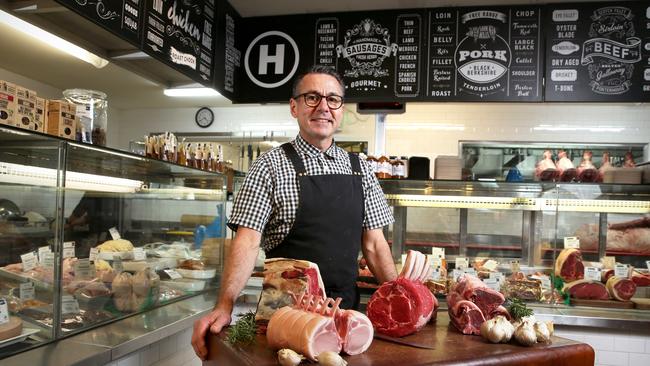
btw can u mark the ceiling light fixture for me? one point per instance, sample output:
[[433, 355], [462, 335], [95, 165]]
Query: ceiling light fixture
[[191, 92], [52, 40]]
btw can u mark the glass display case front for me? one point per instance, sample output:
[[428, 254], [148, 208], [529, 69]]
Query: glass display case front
[[539, 242], [90, 235]]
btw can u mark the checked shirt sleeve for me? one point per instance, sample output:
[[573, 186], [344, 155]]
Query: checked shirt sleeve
[[377, 213], [252, 206]]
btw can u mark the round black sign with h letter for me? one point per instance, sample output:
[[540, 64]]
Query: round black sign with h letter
[[271, 59]]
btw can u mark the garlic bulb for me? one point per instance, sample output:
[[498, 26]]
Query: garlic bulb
[[330, 358], [289, 357], [525, 334], [497, 330], [542, 332]]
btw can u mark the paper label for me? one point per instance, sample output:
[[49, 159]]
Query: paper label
[[4, 311], [43, 250], [69, 305], [438, 252], [497, 276], [436, 263], [114, 233], [457, 273], [470, 271], [118, 266], [492, 283], [173, 274], [27, 291], [29, 261], [546, 283], [435, 275], [491, 265], [48, 260], [68, 249], [462, 262], [83, 269], [139, 254], [571, 242], [514, 266], [93, 254], [592, 273], [621, 270]]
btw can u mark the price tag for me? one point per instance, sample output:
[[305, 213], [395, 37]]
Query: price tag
[[43, 250], [4, 311], [69, 305], [491, 265], [571, 242], [68, 249], [173, 274], [514, 266], [114, 233], [83, 269], [470, 271], [462, 262], [546, 282], [435, 275], [48, 260], [621, 270], [27, 291], [647, 264], [492, 283], [592, 273], [498, 276], [609, 262], [438, 252], [93, 254], [118, 266], [139, 254], [436, 262], [456, 273], [29, 261]]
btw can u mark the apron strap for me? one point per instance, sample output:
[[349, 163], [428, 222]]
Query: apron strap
[[355, 164], [292, 154]]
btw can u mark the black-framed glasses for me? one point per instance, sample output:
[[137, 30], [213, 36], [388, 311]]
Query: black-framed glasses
[[313, 99]]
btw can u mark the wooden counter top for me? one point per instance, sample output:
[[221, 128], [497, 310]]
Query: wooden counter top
[[451, 348]]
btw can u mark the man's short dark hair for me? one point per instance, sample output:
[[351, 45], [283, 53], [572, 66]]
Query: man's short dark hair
[[317, 69]]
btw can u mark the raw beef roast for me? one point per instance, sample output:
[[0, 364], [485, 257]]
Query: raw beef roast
[[621, 289], [568, 265], [585, 289], [629, 239], [641, 279], [403, 306], [315, 324], [470, 302], [283, 277]]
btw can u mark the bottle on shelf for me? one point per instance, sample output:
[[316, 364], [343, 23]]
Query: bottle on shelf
[[384, 168], [399, 169], [220, 165]]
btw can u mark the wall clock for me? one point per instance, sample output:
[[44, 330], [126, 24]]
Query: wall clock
[[204, 117]]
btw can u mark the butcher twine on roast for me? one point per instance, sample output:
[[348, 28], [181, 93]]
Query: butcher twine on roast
[[405, 305]]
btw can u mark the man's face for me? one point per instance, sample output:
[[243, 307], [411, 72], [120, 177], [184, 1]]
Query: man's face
[[317, 123]]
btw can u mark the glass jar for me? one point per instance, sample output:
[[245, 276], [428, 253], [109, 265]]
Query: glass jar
[[92, 114], [384, 168]]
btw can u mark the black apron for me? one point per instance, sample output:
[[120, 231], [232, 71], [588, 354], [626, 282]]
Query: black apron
[[328, 227]]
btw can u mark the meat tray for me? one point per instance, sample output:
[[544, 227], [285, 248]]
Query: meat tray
[[199, 274]]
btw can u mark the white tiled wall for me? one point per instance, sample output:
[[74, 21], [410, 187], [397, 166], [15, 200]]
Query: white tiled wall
[[174, 350], [612, 347]]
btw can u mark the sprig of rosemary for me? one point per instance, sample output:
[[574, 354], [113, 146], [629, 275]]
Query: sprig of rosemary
[[518, 309], [244, 330]]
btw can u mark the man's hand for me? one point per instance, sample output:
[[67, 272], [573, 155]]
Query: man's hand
[[214, 321]]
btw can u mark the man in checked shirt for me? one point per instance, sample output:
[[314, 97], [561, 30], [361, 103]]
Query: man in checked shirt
[[307, 199]]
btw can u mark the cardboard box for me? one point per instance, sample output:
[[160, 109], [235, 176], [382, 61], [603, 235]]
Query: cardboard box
[[25, 112], [7, 103], [61, 119], [40, 120]]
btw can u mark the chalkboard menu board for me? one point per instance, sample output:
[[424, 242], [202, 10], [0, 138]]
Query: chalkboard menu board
[[227, 60], [123, 18], [181, 34], [598, 52], [484, 54]]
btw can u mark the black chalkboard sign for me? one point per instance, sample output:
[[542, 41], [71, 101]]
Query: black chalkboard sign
[[123, 18], [181, 34], [484, 54], [228, 56], [598, 52]]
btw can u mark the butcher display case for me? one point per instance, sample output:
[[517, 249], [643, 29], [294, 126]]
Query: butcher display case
[[511, 236], [90, 235]]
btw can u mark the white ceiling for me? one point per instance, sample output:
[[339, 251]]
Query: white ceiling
[[33, 59]]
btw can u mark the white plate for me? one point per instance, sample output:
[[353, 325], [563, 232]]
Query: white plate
[[19, 338], [200, 274]]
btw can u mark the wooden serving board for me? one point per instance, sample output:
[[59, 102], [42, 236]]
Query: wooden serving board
[[603, 303], [642, 303], [451, 348]]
